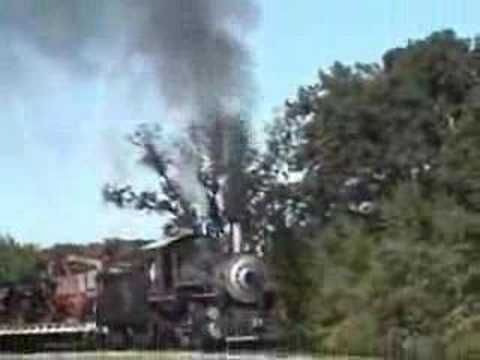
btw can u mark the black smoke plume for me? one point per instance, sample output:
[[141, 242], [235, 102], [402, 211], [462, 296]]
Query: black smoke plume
[[195, 46], [200, 61], [195, 49]]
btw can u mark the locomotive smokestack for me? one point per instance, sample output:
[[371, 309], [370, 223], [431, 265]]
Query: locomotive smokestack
[[236, 238]]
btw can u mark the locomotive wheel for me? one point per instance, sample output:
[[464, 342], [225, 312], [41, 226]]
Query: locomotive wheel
[[117, 339], [162, 335]]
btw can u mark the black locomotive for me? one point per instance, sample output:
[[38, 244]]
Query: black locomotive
[[195, 289]]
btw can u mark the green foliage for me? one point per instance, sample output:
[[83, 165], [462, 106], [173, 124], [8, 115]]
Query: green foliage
[[297, 282], [356, 335], [391, 120], [409, 272], [17, 262], [468, 342], [405, 137]]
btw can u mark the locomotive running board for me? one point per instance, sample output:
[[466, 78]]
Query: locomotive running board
[[238, 339]]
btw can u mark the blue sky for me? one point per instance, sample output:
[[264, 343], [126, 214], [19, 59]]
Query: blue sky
[[61, 135]]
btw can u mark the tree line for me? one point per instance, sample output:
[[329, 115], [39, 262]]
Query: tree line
[[389, 157]]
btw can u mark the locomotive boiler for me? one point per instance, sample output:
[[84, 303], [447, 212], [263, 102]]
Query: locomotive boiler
[[195, 289]]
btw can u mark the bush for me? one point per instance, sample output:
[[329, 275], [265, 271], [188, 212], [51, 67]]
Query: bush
[[463, 344], [357, 335], [17, 262]]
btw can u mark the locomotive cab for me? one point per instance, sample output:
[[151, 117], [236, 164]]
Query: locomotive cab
[[181, 266]]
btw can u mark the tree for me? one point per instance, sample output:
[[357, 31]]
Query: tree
[[389, 157], [391, 121], [18, 262], [213, 180]]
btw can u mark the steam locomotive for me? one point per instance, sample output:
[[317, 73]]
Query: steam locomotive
[[195, 289]]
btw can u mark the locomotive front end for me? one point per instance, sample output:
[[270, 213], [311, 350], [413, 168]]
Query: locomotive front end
[[244, 311]]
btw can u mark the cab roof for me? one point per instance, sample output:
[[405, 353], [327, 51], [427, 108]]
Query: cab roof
[[166, 240]]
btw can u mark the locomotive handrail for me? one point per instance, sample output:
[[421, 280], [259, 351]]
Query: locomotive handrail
[[47, 328]]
